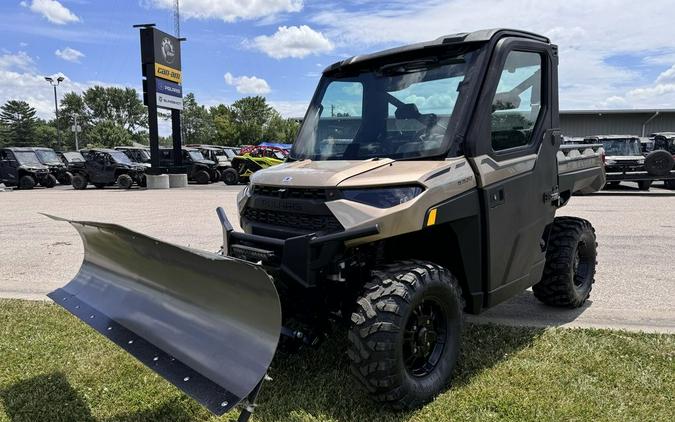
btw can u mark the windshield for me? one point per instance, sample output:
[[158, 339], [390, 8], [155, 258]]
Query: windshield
[[120, 157], [143, 155], [399, 110], [626, 147], [229, 153], [48, 156], [196, 155], [27, 158]]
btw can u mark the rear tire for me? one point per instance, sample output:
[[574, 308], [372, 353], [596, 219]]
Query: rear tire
[[644, 184], [66, 178], [405, 336], [26, 182], [230, 176], [569, 271], [125, 181], [79, 182], [202, 177], [217, 176], [49, 181]]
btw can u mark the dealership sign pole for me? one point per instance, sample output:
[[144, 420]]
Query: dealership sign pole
[[162, 87]]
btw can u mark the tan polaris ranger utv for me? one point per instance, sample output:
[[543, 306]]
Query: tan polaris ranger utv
[[423, 184]]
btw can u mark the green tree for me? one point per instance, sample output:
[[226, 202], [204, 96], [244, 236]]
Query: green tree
[[120, 105], [280, 129], [72, 107], [109, 133], [18, 123], [251, 115], [224, 122], [197, 123], [46, 136]]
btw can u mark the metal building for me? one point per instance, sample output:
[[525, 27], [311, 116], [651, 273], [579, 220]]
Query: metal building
[[639, 122]]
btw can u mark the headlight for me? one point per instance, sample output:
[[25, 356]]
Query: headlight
[[610, 162], [382, 197], [641, 160]]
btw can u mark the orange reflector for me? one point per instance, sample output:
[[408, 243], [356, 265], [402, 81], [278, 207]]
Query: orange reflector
[[431, 220]]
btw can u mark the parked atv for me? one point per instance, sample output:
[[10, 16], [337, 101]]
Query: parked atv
[[198, 168], [21, 167], [252, 159], [393, 215], [107, 167], [49, 158]]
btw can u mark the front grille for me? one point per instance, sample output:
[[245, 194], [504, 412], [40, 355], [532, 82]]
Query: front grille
[[295, 193], [304, 222]]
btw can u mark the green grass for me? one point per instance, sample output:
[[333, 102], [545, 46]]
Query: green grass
[[55, 368]]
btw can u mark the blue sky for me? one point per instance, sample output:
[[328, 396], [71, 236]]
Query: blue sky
[[613, 53]]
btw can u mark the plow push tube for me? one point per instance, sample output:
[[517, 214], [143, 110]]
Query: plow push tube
[[208, 324]]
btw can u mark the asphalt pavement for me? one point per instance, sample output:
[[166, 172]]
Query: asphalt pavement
[[635, 280]]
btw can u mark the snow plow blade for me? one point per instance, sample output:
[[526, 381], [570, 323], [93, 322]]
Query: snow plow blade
[[206, 323]]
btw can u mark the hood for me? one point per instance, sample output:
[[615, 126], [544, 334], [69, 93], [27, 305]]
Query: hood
[[308, 173], [33, 167], [624, 157]]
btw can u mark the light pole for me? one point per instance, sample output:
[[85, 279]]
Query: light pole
[[55, 82]]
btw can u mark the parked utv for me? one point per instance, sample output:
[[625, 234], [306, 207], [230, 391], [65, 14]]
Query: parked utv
[[49, 158], [423, 184], [20, 166], [140, 155], [107, 167], [219, 155], [251, 159], [625, 161], [665, 141], [198, 168]]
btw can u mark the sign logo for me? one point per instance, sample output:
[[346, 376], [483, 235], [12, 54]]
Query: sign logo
[[287, 179], [168, 73], [169, 101], [167, 50], [169, 88]]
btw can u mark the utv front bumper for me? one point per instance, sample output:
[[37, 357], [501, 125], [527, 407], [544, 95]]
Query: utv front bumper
[[301, 259]]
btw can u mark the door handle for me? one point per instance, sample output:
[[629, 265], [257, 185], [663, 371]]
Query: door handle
[[497, 197]]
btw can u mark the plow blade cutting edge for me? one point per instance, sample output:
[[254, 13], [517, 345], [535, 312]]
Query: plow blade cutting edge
[[208, 324]]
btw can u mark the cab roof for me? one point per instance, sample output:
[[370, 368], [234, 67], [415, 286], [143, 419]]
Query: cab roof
[[19, 149], [610, 137], [481, 36]]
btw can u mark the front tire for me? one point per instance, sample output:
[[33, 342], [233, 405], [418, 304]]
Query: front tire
[[569, 272], [405, 336], [125, 181], [26, 182], [49, 181], [230, 176], [644, 185], [217, 176], [202, 177], [79, 182]]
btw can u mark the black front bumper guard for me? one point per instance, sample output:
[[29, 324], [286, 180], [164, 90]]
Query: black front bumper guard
[[301, 258]]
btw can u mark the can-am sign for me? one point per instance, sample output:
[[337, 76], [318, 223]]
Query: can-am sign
[[163, 52]]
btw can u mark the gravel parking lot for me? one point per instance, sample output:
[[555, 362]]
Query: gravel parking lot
[[635, 281]]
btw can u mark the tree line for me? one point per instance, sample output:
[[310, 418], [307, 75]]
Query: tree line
[[112, 116]]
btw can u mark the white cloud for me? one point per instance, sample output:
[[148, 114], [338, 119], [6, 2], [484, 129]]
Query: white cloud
[[17, 61], [229, 10], [69, 54], [592, 36], [250, 85], [667, 76], [54, 11], [294, 109], [293, 41]]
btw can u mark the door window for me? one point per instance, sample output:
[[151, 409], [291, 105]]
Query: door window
[[517, 103]]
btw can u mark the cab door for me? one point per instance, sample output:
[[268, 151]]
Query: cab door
[[7, 167], [517, 166]]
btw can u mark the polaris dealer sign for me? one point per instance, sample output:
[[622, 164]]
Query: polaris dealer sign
[[169, 94]]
